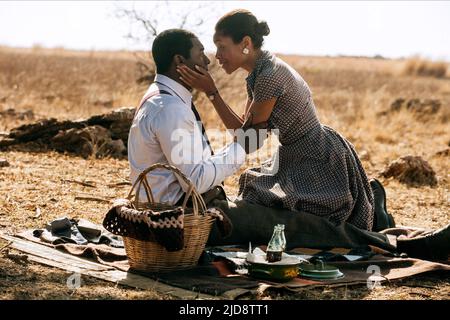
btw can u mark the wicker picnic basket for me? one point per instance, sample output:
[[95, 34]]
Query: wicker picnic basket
[[153, 257]]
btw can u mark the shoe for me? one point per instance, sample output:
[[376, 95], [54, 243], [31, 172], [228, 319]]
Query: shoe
[[434, 246], [382, 219], [66, 230]]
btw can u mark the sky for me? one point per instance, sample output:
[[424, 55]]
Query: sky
[[365, 28]]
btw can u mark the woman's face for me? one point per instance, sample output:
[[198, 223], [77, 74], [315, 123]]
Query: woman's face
[[228, 53]]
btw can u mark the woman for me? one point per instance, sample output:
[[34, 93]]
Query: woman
[[319, 170]]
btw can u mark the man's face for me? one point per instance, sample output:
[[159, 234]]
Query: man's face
[[198, 56]]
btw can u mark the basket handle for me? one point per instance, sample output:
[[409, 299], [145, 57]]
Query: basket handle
[[197, 199]]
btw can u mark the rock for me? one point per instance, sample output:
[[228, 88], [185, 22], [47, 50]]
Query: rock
[[118, 122], [427, 106], [397, 104], [93, 140], [124, 115], [411, 170], [97, 135], [4, 142], [117, 148], [43, 129], [120, 130], [4, 163], [421, 106], [50, 98], [364, 155], [443, 153]]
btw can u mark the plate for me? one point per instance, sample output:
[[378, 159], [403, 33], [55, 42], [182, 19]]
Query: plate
[[320, 271]]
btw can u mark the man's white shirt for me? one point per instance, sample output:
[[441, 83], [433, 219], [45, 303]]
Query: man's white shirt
[[165, 130]]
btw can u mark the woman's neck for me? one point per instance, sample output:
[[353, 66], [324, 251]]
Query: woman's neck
[[251, 61]]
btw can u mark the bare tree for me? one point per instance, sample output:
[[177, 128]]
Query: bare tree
[[146, 23]]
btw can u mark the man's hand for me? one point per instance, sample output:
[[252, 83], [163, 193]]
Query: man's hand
[[200, 80]]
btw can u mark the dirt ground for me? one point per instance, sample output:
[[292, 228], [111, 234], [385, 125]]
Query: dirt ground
[[352, 95]]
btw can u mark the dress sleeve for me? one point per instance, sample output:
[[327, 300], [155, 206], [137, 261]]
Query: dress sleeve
[[270, 83]]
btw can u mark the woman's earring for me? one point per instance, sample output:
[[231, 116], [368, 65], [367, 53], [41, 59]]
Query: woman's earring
[[245, 51]]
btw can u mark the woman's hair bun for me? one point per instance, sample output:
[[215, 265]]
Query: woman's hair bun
[[262, 28]]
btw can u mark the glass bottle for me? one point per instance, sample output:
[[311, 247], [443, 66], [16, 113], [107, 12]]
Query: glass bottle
[[277, 244], [283, 238]]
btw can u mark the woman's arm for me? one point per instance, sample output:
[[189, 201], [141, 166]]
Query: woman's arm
[[229, 118], [255, 119], [260, 111], [203, 81]]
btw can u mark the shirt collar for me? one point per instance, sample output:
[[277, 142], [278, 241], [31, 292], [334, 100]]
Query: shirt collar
[[184, 94]]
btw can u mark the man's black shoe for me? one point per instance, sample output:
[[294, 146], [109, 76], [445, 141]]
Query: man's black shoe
[[434, 246], [382, 219]]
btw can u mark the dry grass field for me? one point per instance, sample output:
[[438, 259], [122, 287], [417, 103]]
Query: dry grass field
[[353, 95]]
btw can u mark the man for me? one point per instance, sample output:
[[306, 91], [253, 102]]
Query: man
[[167, 127]]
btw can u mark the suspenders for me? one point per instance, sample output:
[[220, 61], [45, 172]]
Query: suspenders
[[152, 94], [194, 110]]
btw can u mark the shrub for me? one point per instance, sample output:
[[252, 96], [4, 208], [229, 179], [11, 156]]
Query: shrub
[[421, 67]]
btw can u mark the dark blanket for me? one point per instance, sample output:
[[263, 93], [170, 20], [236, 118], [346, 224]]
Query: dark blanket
[[216, 275]]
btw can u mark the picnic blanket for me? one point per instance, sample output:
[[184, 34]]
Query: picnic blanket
[[217, 275]]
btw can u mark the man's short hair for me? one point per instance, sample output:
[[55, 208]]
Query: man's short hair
[[170, 43]]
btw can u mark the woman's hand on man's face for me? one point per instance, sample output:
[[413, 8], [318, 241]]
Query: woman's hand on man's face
[[200, 79]]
